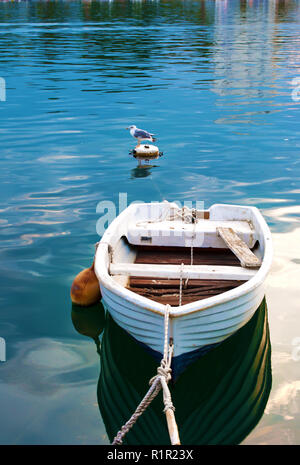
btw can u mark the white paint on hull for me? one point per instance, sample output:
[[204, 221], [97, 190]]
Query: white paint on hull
[[189, 332]]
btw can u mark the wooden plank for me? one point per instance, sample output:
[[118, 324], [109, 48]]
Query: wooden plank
[[177, 255], [188, 271], [160, 283], [167, 290], [239, 248], [174, 299], [174, 291]]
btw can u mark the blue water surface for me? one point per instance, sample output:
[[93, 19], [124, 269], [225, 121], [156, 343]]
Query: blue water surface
[[216, 82]]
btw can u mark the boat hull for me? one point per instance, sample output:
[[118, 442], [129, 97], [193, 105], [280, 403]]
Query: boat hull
[[190, 332]]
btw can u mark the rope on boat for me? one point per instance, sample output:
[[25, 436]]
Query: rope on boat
[[194, 220], [180, 284], [186, 214], [158, 382]]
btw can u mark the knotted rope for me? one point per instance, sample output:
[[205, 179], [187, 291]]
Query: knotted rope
[[171, 213], [158, 382]]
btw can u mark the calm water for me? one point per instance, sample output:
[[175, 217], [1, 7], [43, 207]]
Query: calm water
[[213, 80]]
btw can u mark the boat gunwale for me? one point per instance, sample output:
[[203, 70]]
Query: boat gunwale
[[101, 270]]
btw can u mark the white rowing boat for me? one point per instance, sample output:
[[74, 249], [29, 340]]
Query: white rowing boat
[[209, 266]]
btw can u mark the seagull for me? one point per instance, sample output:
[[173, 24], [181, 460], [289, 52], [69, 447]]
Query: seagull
[[140, 134]]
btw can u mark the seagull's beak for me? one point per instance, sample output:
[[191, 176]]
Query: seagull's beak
[[127, 128]]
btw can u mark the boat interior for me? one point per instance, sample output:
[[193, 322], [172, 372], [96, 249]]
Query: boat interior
[[176, 261], [165, 273], [166, 291]]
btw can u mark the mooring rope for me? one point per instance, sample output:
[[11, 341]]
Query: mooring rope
[[158, 382]]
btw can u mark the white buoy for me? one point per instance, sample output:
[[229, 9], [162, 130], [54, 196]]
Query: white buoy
[[146, 151]]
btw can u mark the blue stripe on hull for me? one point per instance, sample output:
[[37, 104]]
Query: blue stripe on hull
[[181, 362]]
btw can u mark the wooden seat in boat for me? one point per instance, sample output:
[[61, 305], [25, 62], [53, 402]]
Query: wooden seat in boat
[[180, 234], [176, 271]]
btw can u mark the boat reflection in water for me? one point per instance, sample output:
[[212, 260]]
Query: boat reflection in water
[[219, 398]]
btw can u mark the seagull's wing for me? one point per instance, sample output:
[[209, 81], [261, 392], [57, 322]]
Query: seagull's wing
[[142, 134]]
